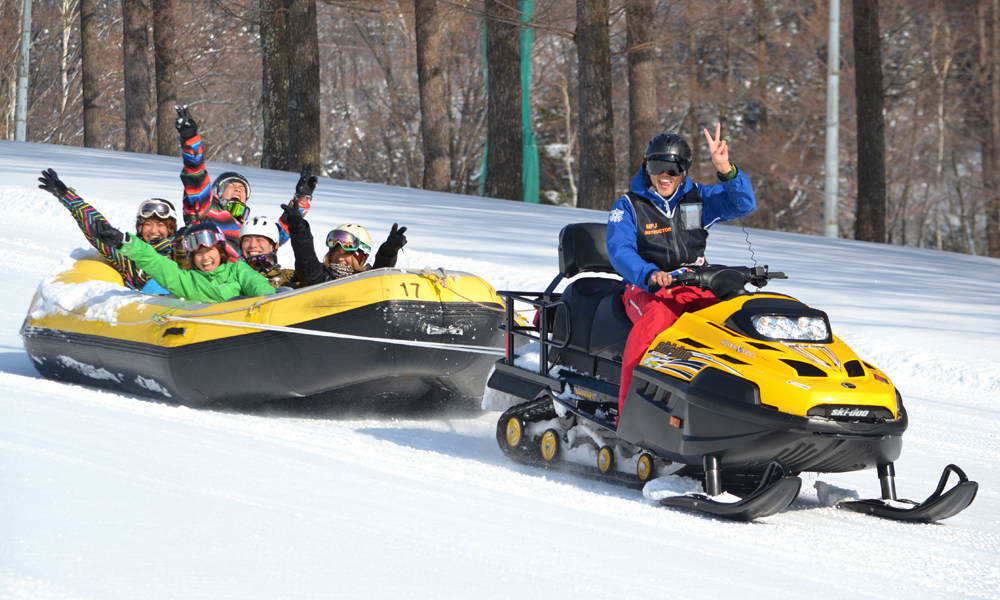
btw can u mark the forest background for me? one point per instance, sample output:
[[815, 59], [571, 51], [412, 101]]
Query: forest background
[[394, 92]]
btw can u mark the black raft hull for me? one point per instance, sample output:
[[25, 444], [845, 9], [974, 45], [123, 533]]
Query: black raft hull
[[197, 364]]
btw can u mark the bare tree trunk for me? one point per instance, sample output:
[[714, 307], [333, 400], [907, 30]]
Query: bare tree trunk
[[164, 56], [762, 18], [597, 153], [869, 224], [303, 84], [505, 138], [694, 88], [990, 146], [274, 87], [67, 8], [433, 109], [643, 117], [570, 139], [90, 66], [135, 23]]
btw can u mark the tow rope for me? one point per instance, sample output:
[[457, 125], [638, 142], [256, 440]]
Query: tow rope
[[279, 328]]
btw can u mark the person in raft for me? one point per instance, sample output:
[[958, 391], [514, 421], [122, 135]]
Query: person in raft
[[213, 278], [259, 244], [349, 247], [155, 223], [661, 224]]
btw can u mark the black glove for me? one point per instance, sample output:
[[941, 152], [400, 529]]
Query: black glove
[[185, 124], [395, 241], [108, 235], [293, 218], [52, 184], [307, 182]]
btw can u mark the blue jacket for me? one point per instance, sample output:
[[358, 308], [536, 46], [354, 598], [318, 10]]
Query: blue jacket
[[722, 201]]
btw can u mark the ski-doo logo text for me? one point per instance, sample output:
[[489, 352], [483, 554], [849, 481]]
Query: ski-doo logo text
[[673, 350], [739, 349], [849, 412]]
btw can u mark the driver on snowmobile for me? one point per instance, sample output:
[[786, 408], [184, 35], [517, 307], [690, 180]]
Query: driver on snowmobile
[[661, 225]]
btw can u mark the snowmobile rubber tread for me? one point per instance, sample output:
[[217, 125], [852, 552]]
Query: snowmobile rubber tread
[[762, 503], [527, 412]]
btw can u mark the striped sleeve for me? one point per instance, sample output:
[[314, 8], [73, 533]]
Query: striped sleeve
[[199, 204], [86, 217]]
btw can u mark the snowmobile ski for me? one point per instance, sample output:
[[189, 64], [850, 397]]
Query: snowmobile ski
[[939, 505], [771, 497]]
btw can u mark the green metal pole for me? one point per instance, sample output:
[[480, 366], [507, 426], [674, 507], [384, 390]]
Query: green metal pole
[[529, 159], [486, 144]]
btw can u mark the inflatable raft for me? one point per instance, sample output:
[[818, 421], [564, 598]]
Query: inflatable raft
[[380, 334]]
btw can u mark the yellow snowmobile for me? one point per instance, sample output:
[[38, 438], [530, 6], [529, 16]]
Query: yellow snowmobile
[[744, 394]]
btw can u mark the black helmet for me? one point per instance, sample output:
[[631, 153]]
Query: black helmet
[[230, 177], [669, 146]]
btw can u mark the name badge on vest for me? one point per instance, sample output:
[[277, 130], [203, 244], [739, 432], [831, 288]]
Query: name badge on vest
[[691, 216]]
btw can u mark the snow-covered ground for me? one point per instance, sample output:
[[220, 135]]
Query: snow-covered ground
[[111, 496]]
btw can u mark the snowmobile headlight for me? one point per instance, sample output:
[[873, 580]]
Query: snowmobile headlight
[[792, 328]]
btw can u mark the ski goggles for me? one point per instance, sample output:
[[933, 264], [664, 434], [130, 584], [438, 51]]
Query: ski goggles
[[262, 262], [346, 240], [239, 210], [670, 166], [156, 208], [206, 238]]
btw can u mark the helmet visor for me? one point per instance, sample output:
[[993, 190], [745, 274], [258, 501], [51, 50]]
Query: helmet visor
[[206, 238], [239, 210], [672, 166], [346, 240], [155, 208], [263, 262]]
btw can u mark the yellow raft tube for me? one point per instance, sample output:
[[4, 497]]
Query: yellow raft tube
[[386, 333]]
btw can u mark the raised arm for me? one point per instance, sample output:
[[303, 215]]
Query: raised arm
[[91, 223], [303, 197]]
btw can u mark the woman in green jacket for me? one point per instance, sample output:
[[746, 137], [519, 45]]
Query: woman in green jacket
[[212, 279]]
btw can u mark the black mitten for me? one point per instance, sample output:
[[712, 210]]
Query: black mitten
[[307, 182], [395, 241], [108, 235], [185, 124], [293, 218], [52, 184]]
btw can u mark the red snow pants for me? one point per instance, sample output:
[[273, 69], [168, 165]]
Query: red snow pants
[[652, 313]]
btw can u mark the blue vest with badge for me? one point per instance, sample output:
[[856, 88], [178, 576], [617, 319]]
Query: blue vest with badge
[[670, 242]]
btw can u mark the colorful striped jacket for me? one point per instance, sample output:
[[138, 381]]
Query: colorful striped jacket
[[86, 216], [201, 205]]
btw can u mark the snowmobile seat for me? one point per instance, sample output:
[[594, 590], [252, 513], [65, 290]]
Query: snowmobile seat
[[574, 318], [611, 326], [583, 248]]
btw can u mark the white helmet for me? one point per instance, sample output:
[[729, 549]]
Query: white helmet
[[261, 226], [356, 233]]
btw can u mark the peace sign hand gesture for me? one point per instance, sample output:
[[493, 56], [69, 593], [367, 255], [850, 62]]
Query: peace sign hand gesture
[[719, 150]]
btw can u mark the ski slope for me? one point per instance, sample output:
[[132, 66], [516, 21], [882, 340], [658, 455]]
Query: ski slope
[[111, 496]]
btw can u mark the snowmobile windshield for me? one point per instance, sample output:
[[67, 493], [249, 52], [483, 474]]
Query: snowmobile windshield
[[791, 328]]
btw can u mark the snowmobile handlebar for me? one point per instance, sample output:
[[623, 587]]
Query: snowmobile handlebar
[[724, 281]]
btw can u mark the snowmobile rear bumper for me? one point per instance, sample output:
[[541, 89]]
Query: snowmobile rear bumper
[[721, 415]]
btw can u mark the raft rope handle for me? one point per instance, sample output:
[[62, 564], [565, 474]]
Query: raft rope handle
[[442, 280], [279, 328]]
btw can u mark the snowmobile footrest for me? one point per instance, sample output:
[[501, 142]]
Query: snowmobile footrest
[[768, 499], [939, 505]]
